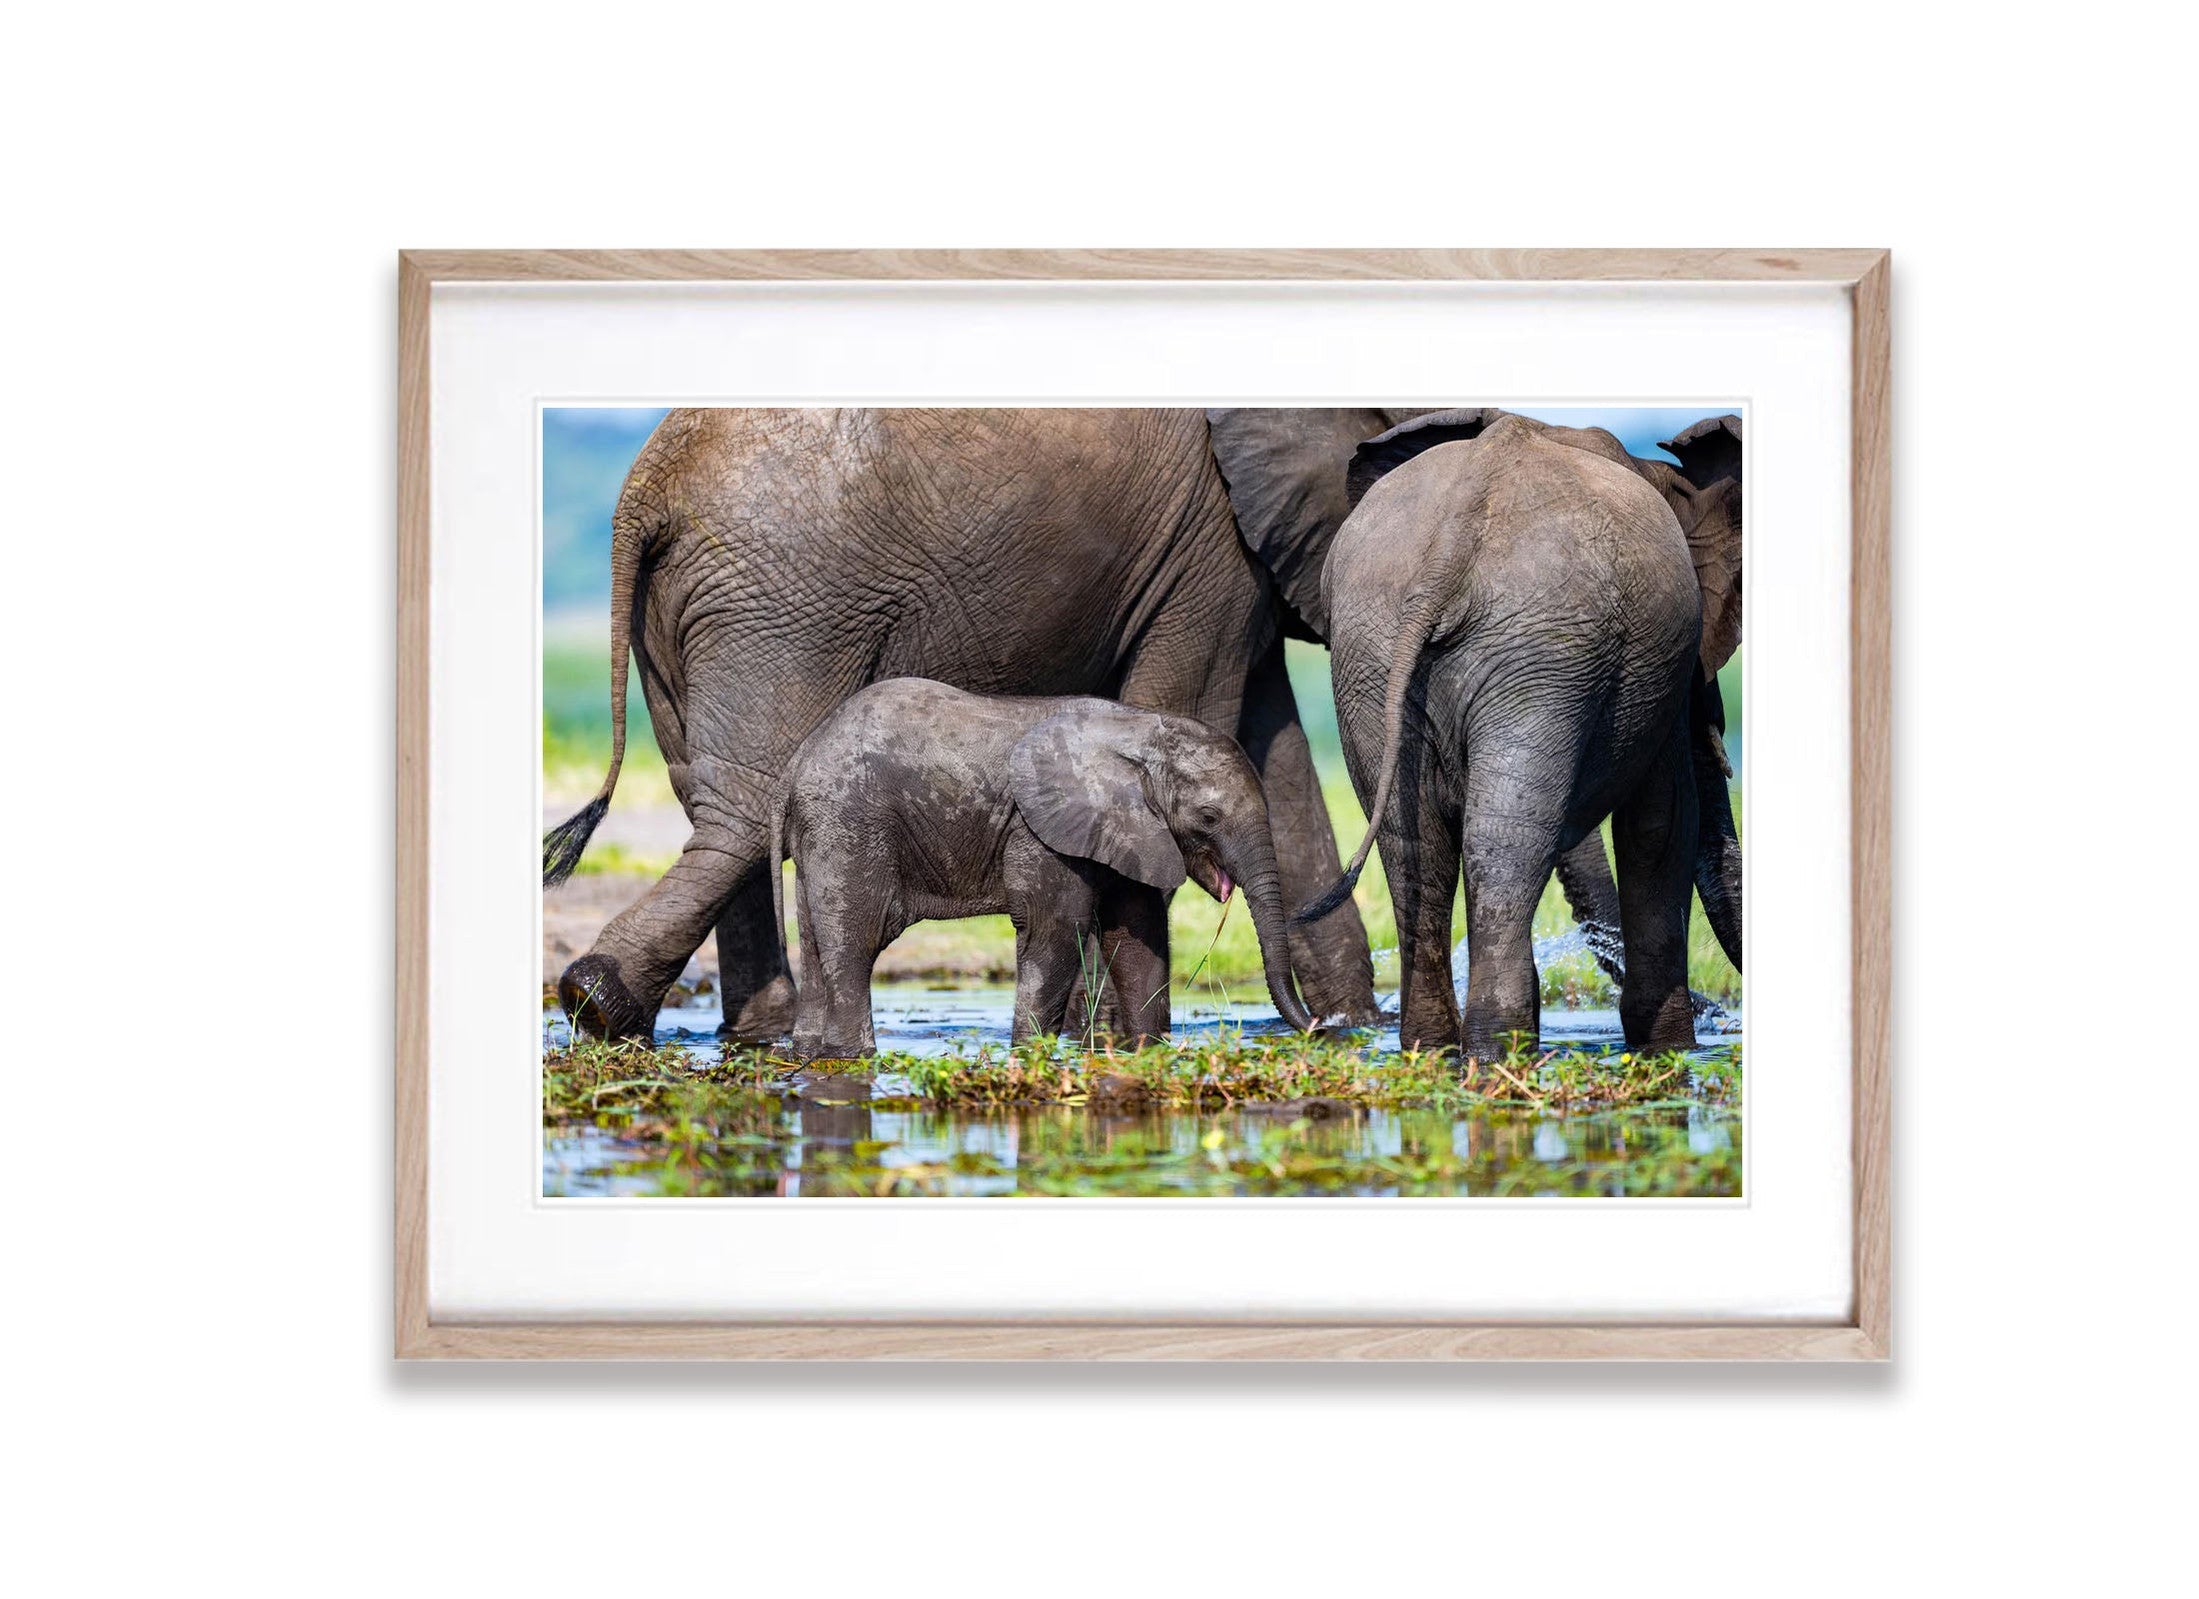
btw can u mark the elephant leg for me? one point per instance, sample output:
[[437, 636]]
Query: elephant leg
[[1418, 839], [1054, 908], [809, 1003], [763, 707], [1508, 859], [1655, 831], [1718, 843], [1420, 856], [1584, 872], [1121, 990], [1046, 970], [1329, 957], [755, 989], [1111, 954], [754, 986], [1134, 960], [847, 918], [616, 989]]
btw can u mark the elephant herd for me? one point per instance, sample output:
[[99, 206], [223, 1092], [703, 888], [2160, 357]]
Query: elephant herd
[[1525, 625]]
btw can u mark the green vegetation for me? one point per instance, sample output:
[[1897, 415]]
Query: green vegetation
[[588, 1078], [1234, 1115], [576, 724], [576, 744]]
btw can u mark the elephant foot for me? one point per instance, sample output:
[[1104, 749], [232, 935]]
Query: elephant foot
[[1429, 1039], [1343, 998], [765, 1015], [1503, 1048], [599, 1003], [1670, 1026], [1355, 1011], [825, 1049]]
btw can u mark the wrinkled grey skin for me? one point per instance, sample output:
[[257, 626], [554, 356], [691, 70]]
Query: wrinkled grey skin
[[1525, 623], [767, 564], [1704, 493], [915, 800]]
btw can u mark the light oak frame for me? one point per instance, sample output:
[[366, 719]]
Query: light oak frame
[[1863, 1336]]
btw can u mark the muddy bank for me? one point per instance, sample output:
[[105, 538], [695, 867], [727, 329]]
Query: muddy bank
[[642, 840]]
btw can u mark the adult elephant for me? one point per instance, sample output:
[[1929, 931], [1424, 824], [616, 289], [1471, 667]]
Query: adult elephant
[[766, 564], [1526, 624], [1704, 495]]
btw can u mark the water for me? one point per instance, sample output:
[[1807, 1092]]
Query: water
[[1712, 1020], [831, 1136]]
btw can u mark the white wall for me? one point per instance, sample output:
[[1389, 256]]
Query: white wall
[[200, 364]]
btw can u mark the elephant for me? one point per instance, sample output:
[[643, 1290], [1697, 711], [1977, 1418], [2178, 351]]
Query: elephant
[[1525, 625], [916, 800], [766, 564]]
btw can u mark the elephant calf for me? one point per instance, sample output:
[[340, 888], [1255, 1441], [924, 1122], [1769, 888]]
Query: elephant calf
[[915, 800]]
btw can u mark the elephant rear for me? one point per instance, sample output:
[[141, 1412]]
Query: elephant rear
[[1515, 623], [1583, 618]]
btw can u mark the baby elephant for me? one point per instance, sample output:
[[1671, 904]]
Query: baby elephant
[[1077, 817]]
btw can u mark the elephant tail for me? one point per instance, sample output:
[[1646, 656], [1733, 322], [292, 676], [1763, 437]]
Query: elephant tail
[[562, 845], [1423, 609]]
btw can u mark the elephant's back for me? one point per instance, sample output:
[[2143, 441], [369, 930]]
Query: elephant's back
[[1568, 540], [1005, 550], [907, 741], [819, 478], [1558, 584], [1047, 502], [917, 769]]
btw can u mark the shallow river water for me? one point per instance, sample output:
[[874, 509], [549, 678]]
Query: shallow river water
[[840, 1136]]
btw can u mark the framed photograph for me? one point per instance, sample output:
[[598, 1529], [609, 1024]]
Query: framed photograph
[[1143, 804]]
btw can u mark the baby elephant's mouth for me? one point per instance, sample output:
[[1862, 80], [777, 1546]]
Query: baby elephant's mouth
[[1204, 867]]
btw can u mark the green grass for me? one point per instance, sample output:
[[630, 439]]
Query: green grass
[[576, 745], [588, 1078], [576, 721], [612, 859], [1236, 1115]]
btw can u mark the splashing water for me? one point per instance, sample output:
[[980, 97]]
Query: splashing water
[[1603, 946]]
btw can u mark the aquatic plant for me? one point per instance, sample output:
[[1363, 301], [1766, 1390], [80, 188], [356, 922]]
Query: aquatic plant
[[1230, 1068], [1234, 1114]]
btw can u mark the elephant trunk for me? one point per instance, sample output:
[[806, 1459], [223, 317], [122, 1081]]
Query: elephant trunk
[[1254, 869]]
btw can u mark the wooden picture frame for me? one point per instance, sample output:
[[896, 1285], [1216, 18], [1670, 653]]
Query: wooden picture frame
[[1863, 1336]]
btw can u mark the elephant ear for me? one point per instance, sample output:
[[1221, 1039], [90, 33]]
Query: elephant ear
[[1386, 452], [1709, 453], [1708, 450], [1714, 543], [1284, 469], [1083, 795]]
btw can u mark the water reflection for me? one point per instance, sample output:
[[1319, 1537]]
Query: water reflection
[[815, 1143], [834, 1136]]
